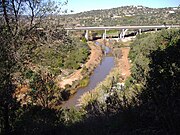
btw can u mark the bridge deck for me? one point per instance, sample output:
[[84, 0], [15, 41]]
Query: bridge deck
[[124, 27]]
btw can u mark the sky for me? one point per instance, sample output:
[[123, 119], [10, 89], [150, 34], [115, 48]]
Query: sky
[[87, 5]]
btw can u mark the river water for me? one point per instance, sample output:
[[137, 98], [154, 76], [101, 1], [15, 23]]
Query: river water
[[99, 74]]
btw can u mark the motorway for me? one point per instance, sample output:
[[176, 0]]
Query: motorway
[[123, 27]]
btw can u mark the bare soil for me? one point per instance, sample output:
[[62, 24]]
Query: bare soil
[[123, 64]]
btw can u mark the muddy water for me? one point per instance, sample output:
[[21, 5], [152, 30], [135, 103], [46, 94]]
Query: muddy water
[[99, 74]]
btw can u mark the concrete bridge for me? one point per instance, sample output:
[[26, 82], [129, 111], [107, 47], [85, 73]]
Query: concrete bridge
[[122, 29]]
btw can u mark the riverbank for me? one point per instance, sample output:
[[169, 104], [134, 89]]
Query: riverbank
[[123, 64], [70, 84], [118, 74], [94, 59], [120, 50], [97, 76]]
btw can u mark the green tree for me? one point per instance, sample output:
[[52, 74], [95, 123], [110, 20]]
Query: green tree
[[161, 95], [44, 92], [158, 103], [14, 32]]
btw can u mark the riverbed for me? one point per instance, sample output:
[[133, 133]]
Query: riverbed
[[98, 75]]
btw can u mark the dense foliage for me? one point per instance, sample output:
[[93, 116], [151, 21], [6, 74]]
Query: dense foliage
[[28, 55], [153, 108], [67, 55]]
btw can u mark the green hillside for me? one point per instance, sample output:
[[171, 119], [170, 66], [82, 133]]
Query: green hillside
[[126, 15]]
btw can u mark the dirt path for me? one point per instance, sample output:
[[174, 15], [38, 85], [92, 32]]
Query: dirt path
[[94, 60], [95, 57], [123, 63]]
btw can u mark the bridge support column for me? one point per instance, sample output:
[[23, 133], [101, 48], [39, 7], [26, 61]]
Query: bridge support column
[[123, 33], [87, 35], [104, 34], [120, 35], [139, 31], [67, 32], [155, 29]]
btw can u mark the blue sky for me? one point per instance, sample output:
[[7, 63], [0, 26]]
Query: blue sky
[[86, 5]]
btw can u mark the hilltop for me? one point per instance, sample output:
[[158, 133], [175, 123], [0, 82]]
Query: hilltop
[[125, 15]]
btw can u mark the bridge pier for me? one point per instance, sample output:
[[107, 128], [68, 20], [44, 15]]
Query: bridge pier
[[140, 31], [87, 35], [120, 35], [123, 33], [67, 32], [104, 34]]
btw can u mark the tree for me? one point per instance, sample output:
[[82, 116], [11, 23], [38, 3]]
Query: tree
[[161, 94], [8, 103], [28, 14], [19, 18], [158, 101], [36, 120], [44, 91]]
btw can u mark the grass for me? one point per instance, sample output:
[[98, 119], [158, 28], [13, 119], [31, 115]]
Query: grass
[[84, 82]]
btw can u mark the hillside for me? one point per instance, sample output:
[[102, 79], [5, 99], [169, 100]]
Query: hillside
[[36, 54], [126, 15]]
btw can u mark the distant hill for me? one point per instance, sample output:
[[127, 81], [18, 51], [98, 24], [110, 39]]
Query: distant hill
[[126, 15]]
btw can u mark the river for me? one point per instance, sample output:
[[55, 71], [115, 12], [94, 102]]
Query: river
[[98, 75]]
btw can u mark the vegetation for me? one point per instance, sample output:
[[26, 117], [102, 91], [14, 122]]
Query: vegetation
[[149, 104], [30, 59], [84, 82], [102, 90], [60, 53], [125, 15]]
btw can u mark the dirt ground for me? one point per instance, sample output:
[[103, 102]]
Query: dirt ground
[[123, 63]]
